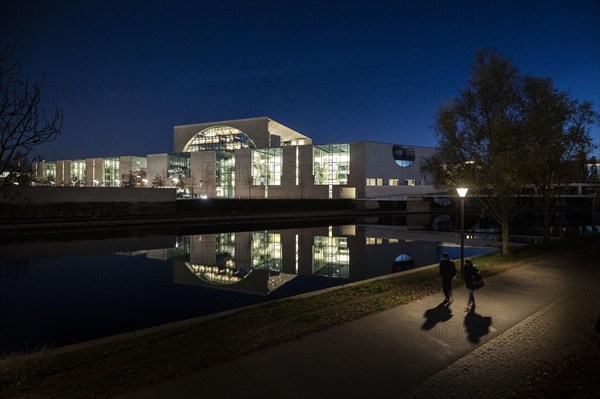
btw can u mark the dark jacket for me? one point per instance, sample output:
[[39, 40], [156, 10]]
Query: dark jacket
[[471, 274], [447, 269]]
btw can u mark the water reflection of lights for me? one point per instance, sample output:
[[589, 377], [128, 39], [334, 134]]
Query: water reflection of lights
[[218, 274]]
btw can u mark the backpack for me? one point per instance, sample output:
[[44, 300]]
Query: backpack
[[476, 279]]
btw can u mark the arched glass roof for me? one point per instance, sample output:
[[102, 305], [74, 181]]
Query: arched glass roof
[[219, 138]]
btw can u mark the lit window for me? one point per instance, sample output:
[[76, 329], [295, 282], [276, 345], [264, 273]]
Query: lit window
[[266, 166], [331, 164], [410, 182], [394, 182], [266, 251], [380, 182], [331, 257], [371, 182]]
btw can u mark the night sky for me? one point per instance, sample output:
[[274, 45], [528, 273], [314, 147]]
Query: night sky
[[126, 72]]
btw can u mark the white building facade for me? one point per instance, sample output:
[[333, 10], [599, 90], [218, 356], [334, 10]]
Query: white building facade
[[257, 158]]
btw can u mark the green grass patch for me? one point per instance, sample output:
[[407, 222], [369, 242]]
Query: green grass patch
[[110, 369]]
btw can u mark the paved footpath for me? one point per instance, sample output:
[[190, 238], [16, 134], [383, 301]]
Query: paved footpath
[[532, 314]]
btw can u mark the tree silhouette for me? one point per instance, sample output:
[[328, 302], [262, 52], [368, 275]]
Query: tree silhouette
[[24, 123]]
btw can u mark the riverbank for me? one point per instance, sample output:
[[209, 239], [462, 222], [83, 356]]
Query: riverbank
[[123, 366], [25, 225]]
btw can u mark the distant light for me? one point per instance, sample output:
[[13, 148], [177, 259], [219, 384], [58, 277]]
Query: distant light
[[462, 191], [203, 196]]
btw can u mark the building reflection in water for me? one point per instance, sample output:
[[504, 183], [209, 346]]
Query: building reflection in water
[[260, 262]]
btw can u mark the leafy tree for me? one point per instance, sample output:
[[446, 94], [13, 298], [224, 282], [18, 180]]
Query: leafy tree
[[481, 144], [557, 127], [506, 134], [24, 123]]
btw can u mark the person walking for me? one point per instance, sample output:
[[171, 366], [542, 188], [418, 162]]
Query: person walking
[[473, 281], [447, 272]]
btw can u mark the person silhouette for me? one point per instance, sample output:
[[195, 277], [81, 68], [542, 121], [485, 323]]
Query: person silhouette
[[447, 272], [472, 278]]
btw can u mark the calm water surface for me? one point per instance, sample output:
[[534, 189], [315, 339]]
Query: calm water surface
[[58, 292]]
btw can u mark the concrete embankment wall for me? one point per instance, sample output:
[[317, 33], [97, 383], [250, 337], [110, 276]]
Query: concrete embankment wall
[[68, 202], [214, 206], [102, 202]]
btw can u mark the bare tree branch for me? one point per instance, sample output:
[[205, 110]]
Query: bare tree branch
[[24, 122]]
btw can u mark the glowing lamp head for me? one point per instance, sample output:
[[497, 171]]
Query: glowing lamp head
[[462, 192]]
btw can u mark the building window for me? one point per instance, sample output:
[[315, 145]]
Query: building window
[[411, 182], [266, 167], [78, 168], [219, 138], [266, 251], [404, 157], [374, 182], [179, 166], [225, 175], [331, 257], [111, 172], [51, 170], [331, 164], [394, 182]]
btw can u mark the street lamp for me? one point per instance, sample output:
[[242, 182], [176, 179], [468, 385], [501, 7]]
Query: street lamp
[[462, 193]]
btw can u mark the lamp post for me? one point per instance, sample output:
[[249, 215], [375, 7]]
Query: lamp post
[[462, 193]]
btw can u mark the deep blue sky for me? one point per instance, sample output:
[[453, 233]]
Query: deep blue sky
[[125, 72]]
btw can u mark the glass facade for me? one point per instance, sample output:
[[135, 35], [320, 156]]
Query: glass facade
[[224, 270], [331, 164], [78, 168], [219, 138], [111, 172], [267, 166], [266, 251], [225, 176], [331, 256], [179, 166], [50, 172]]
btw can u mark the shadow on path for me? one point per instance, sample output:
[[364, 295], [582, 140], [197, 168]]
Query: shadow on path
[[477, 325], [436, 315]]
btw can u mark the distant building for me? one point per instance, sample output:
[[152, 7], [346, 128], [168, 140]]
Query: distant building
[[257, 158]]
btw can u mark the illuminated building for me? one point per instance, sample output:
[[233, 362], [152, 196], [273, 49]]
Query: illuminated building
[[259, 158]]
